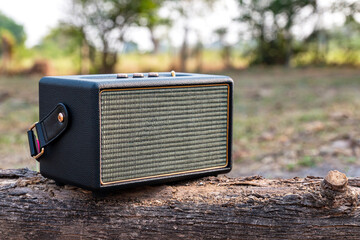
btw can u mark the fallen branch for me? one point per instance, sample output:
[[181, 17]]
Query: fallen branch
[[33, 207]]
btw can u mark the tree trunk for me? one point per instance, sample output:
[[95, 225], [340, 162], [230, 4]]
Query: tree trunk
[[7, 53], [155, 41], [198, 52], [33, 207], [184, 51], [84, 57], [109, 60], [288, 49], [227, 57]]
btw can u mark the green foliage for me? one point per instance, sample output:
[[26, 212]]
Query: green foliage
[[14, 28], [95, 33], [12, 38], [8, 36], [351, 160], [347, 39], [290, 167], [337, 46], [308, 161], [105, 24], [63, 40], [150, 17], [270, 23]]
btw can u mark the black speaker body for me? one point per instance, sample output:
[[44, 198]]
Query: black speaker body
[[138, 129]]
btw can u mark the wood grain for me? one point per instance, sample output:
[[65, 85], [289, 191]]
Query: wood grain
[[32, 207]]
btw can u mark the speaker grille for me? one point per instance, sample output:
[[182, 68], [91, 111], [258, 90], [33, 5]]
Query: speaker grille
[[162, 131]]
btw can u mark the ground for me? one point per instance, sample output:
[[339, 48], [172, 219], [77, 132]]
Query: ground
[[287, 122], [296, 122]]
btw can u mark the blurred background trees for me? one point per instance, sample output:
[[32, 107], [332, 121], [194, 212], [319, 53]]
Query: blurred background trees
[[12, 35], [103, 25], [271, 24], [97, 35]]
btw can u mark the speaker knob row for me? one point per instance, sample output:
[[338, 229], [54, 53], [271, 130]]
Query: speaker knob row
[[141, 75]]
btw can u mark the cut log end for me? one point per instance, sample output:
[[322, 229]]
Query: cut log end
[[336, 181]]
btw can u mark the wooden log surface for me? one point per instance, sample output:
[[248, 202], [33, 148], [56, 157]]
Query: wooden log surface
[[33, 207]]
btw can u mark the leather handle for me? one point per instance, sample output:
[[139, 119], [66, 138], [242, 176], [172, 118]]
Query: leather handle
[[48, 129]]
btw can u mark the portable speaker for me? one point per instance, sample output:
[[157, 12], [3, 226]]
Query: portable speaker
[[118, 130]]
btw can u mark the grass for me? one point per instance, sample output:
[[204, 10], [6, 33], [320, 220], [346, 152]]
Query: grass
[[308, 161], [288, 114], [18, 110]]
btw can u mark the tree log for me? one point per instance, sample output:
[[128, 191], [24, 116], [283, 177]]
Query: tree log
[[33, 207]]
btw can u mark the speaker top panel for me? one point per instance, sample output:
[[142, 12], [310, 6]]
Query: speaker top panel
[[125, 80]]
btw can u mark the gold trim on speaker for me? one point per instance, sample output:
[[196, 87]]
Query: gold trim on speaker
[[174, 173]]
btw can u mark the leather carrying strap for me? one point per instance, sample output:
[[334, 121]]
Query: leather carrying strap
[[47, 129]]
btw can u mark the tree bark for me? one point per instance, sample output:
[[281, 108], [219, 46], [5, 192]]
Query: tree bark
[[33, 207], [109, 60], [184, 51], [7, 46], [155, 41]]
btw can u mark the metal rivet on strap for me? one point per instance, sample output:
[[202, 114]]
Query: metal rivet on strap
[[60, 117], [173, 73]]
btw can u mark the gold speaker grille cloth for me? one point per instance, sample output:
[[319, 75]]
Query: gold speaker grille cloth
[[162, 131]]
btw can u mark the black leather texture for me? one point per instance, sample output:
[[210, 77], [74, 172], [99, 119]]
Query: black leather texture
[[32, 145], [49, 128], [74, 157]]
